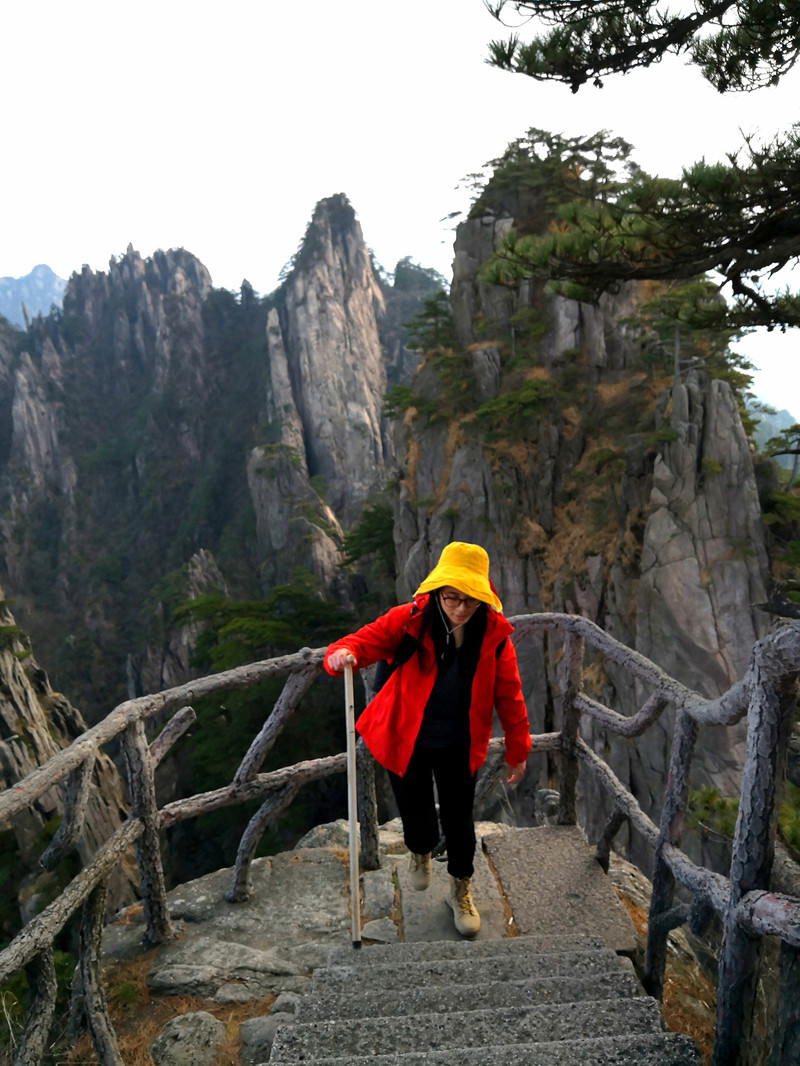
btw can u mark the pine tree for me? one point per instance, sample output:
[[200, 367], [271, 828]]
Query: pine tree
[[737, 44], [740, 217]]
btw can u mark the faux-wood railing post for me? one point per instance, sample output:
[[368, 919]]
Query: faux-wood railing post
[[786, 1031], [772, 703], [95, 1005], [367, 808], [76, 798], [41, 974], [670, 829], [241, 887], [572, 665], [141, 784]]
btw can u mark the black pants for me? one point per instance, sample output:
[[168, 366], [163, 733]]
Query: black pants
[[455, 787]]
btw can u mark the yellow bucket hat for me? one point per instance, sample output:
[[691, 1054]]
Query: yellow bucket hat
[[465, 567]]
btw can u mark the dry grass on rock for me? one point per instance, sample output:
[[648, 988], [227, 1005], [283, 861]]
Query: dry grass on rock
[[138, 1017]]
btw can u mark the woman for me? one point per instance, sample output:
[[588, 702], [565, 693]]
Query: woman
[[452, 662]]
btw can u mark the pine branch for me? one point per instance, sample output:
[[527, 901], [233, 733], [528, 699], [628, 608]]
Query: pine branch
[[738, 46]]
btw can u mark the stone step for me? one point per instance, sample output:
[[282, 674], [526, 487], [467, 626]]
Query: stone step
[[510, 965], [465, 1029], [382, 1002], [655, 1049], [375, 954], [553, 882]]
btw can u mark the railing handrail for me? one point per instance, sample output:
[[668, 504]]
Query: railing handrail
[[726, 709], [21, 795], [746, 905]]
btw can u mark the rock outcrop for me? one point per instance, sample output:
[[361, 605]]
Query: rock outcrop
[[155, 421], [703, 566], [167, 660], [598, 489], [165, 439], [330, 306], [35, 723]]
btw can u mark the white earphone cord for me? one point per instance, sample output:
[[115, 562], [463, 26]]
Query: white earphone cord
[[448, 630]]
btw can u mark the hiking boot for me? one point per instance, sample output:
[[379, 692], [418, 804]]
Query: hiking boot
[[465, 913], [419, 871]]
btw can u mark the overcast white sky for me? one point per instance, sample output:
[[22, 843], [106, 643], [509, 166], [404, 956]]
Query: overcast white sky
[[218, 126]]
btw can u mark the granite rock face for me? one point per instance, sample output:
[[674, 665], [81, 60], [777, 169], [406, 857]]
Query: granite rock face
[[703, 565], [295, 525], [331, 304], [108, 400], [227, 953], [161, 439], [35, 724], [155, 429], [597, 489]]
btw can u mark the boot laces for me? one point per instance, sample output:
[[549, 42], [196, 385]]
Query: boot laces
[[464, 899]]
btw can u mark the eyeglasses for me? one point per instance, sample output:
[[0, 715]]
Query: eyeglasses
[[454, 602]]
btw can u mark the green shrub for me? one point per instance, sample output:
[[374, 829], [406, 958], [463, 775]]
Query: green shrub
[[711, 467], [11, 635], [319, 483], [711, 811], [513, 412], [432, 326], [782, 508], [373, 535], [398, 400], [601, 457], [661, 436], [789, 817]]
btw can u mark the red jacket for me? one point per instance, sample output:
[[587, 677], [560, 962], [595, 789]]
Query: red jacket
[[391, 721]]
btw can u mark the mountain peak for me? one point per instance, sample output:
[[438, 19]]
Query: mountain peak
[[37, 292]]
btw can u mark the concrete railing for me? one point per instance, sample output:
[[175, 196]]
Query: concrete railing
[[744, 902]]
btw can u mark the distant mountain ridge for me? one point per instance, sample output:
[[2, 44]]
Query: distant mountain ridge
[[37, 291], [771, 425]]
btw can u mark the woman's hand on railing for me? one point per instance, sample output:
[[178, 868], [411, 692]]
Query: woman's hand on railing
[[338, 659]]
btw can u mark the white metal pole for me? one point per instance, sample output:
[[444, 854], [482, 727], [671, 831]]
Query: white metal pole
[[352, 804]]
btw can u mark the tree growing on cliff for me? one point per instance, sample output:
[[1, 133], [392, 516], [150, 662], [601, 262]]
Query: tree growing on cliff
[[739, 218], [234, 633], [787, 443], [739, 45]]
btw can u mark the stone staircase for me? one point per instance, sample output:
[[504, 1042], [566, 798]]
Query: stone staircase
[[563, 992]]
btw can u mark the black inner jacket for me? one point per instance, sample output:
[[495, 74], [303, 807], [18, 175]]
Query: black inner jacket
[[455, 668]]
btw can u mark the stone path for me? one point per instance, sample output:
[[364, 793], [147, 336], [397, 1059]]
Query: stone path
[[548, 964]]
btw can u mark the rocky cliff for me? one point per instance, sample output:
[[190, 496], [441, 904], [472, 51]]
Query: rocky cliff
[[327, 380], [598, 488], [165, 439], [35, 723]]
